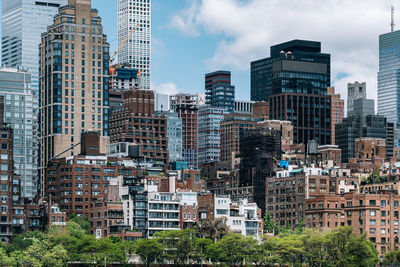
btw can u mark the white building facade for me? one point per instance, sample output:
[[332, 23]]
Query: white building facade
[[137, 48]]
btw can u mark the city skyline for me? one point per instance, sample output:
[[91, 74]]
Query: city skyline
[[197, 41]]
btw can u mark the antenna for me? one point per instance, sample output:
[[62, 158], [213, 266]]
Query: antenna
[[392, 20]]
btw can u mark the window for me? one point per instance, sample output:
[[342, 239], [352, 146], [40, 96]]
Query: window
[[222, 212], [372, 213], [372, 222], [4, 146], [4, 167]]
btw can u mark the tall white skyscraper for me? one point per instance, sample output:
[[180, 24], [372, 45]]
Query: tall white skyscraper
[[137, 48]]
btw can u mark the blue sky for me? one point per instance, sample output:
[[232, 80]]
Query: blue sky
[[193, 37], [177, 59]]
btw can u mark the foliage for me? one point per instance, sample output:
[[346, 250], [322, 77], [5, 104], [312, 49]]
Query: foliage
[[213, 229], [298, 247], [149, 250], [392, 258], [178, 245], [83, 222]]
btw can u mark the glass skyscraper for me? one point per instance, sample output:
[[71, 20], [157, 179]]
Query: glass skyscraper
[[23, 22], [389, 77], [137, 48], [294, 80], [219, 91], [15, 87]]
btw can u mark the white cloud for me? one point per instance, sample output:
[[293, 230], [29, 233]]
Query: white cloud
[[185, 20], [347, 29], [168, 88]]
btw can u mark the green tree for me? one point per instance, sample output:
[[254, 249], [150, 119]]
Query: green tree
[[179, 245], [200, 249], [290, 249], [83, 222], [391, 258], [149, 250], [213, 229], [25, 240], [232, 244], [270, 226], [345, 248], [269, 247], [315, 248], [40, 253]]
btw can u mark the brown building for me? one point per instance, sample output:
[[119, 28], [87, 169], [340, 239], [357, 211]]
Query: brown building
[[230, 129], [330, 153], [11, 221], [186, 106], [106, 218], [367, 148], [285, 127], [75, 182], [55, 216], [261, 109], [137, 123], [375, 188], [190, 180], [337, 111], [74, 62], [377, 215], [288, 191]]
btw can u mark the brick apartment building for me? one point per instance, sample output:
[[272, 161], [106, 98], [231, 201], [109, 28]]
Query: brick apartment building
[[377, 215], [186, 106], [288, 191], [75, 182], [137, 123]]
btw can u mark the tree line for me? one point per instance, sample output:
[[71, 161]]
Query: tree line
[[212, 242]]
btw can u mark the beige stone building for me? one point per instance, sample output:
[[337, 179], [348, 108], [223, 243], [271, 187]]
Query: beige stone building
[[74, 62]]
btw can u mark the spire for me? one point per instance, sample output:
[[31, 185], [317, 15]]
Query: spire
[[392, 19]]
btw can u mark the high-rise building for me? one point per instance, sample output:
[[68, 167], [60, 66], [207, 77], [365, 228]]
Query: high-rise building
[[138, 123], [357, 126], [22, 23], [161, 102], [259, 148], [355, 91], [174, 134], [134, 29], [337, 111], [15, 87], [219, 90], [294, 80], [186, 106], [88, 174], [74, 81], [230, 133], [9, 183], [389, 77], [209, 139], [362, 107]]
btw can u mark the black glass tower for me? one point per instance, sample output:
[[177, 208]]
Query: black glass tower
[[294, 80]]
